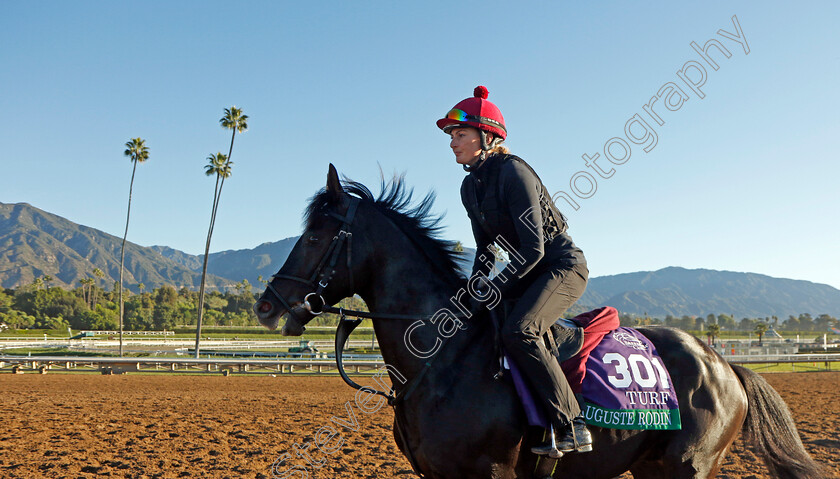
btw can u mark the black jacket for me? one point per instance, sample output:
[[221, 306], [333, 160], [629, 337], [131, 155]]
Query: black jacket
[[508, 204]]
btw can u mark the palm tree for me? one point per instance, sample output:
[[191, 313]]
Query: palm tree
[[233, 120], [220, 165], [760, 329], [86, 282], [93, 292], [713, 331], [236, 121], [138, 152]]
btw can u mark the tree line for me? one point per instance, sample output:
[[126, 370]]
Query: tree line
[[712, 325], [43, 306], [88, 307]]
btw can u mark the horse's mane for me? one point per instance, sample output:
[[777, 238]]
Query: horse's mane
[[416, 221]]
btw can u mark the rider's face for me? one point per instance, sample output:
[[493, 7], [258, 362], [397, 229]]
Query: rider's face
[[466, 144]]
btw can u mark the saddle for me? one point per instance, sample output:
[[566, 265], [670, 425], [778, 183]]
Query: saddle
[[565, 341]]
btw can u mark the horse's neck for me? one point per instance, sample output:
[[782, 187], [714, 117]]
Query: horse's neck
[[402, 287]]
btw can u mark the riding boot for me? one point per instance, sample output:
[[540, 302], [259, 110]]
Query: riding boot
[[576, 437]]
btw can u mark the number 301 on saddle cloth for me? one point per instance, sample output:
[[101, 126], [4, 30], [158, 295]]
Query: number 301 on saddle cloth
[[620, 375]]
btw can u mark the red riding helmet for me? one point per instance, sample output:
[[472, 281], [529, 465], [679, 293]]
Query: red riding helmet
[[476, 112]]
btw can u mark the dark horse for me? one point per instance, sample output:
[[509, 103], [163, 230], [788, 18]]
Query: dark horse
[[461, 422]]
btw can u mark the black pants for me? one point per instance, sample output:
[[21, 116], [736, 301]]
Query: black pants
[[542, 302]]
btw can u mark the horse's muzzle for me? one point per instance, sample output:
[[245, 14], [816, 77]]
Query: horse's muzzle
[[267, 314]]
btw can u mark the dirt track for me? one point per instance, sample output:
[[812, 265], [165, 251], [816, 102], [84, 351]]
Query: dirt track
[[72, 426]]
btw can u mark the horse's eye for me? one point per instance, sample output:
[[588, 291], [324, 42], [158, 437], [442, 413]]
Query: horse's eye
[[313, 239]]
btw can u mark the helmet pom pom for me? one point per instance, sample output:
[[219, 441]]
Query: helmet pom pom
[[481, 92]]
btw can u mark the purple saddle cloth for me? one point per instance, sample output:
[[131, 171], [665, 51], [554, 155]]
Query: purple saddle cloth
[[626, 386]]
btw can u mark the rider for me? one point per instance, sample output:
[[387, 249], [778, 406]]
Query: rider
[[508, 204]]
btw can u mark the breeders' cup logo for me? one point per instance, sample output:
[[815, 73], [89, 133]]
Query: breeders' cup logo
[[629, 340]]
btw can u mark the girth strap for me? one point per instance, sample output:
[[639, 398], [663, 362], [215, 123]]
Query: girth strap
[[411, 459], [545, 467]]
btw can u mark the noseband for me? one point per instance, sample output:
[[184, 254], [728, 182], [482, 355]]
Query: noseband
[[326, 267]]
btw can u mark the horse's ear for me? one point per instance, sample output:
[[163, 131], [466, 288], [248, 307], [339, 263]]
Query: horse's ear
[[333, 184]]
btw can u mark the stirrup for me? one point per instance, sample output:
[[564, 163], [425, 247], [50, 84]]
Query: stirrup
[[501, 373], [549, 447]]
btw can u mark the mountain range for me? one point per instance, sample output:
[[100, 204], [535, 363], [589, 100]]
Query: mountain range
[[34, 243], [694, 292]]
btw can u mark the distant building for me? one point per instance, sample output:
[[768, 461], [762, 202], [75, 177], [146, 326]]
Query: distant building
[[772, 335], [746, 348], [771, 343]]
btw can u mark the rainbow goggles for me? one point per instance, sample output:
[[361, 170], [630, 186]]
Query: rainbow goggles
[[460, 115]]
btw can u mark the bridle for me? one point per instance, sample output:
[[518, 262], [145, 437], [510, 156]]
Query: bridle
[[325, 271], [326, 268]]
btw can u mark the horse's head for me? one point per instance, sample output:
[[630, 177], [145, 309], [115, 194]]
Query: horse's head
[[319, 269]]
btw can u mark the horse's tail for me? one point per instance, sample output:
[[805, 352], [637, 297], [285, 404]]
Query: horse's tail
[[769, 427]]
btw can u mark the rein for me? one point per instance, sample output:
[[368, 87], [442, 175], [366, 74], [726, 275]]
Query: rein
[[342, 333]]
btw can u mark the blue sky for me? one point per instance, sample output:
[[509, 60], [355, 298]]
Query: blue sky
[[744, 179]]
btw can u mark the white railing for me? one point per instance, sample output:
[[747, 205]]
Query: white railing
[[241, 365], [282, 366], [216, 343], [784, 358]]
